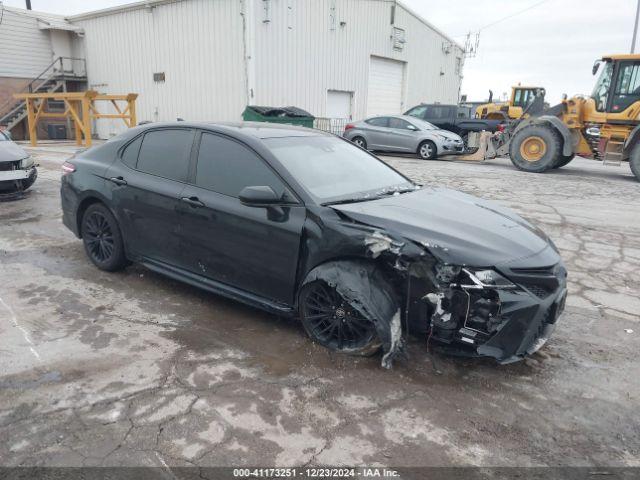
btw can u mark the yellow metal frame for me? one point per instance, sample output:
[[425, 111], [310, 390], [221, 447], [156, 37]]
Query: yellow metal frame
[[80, 107]]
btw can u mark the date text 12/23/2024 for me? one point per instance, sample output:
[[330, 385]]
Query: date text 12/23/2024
[[338, 473]]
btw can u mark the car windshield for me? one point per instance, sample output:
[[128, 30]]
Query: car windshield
[[3, 137], [334, 171]]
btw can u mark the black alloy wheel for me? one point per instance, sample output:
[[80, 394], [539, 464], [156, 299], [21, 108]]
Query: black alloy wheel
[[102, 238], [331, 321]]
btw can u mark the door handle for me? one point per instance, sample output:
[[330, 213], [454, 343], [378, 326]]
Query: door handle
[[118, 181], [193, 201]]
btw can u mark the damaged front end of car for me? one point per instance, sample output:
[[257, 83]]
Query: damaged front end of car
[[505, 313]]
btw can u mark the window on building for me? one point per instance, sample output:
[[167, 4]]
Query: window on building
[[165, 153], [226, 166]]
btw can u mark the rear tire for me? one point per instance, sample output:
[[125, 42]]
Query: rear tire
[[535, 148], [332, 322], [634, 161], [102, 238], [427, 150], [360, 142]]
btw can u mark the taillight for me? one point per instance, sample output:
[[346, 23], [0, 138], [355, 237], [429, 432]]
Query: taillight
[[349, 126], [68, 168]]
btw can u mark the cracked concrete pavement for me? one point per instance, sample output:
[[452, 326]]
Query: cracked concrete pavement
[[135, 369]]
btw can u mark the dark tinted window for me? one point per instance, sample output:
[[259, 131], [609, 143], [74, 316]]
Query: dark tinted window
[[438, 112], [130, 154], [627, 87], [399, 123], [166, 153], [378, 121], [226, 166]]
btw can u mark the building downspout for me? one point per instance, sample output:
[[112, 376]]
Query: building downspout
[[248, 44]]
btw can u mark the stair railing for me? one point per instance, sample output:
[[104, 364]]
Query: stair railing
[[53, 70]]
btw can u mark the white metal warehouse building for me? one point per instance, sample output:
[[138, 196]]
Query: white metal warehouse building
[[209, 59]]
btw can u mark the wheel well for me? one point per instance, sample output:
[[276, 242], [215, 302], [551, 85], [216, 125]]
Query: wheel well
[[392, 275], [86, 203]]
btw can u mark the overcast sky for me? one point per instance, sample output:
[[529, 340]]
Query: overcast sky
[[553, 44]]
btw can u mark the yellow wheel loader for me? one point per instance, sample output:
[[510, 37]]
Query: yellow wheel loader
[[521, 98], [604, 126]]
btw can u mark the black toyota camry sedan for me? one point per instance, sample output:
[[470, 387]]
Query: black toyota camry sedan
[[303, 223]]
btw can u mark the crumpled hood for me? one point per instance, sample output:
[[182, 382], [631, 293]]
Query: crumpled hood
[[455, 227], [10, 152]]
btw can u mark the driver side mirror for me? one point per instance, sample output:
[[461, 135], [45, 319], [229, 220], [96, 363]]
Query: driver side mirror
[[259, 196], [413, 128]]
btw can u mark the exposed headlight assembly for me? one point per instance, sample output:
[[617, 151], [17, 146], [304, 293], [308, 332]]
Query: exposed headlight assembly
[[480, 279], [26, 162]]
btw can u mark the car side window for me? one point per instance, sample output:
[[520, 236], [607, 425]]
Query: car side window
[[400, 124], [378, 121], [130, 154], [226, 166], [166, 152]]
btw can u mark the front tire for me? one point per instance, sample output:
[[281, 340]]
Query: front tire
[[634, 161], [427, 150], [536, 148], [564, 161], [332, 322], [102, 238]]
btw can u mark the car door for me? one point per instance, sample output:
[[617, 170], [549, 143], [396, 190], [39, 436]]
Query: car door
[[401, 135], [146, 183], [251, 248], [376, 132]]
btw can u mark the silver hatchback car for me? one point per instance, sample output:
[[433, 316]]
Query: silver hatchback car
[[403, 134]]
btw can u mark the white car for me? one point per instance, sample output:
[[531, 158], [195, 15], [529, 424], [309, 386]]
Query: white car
[[17, 169], [404, 134]]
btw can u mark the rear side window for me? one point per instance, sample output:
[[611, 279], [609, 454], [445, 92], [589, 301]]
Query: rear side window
[[438, 112], [400, 124], [226, 166], [130, 154], [378, 121], [165, 153]]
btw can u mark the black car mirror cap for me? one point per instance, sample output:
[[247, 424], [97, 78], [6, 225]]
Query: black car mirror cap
[[259, 196]]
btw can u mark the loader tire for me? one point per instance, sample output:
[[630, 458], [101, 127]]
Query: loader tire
[[562, 161], [634, 161], [536, 148]]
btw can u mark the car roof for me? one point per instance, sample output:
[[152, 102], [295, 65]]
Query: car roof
[[260, 130]]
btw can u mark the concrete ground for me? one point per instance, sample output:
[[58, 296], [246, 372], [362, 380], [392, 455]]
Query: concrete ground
[[136, 369]]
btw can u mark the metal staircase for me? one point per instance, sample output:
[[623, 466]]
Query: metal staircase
[[53, 79]]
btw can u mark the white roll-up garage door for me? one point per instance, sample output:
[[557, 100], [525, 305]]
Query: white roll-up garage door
[[386, 79]]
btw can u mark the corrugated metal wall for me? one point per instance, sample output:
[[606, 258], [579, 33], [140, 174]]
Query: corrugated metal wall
[[25, 50], [303, 49], [198, 44], [296, 51]]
